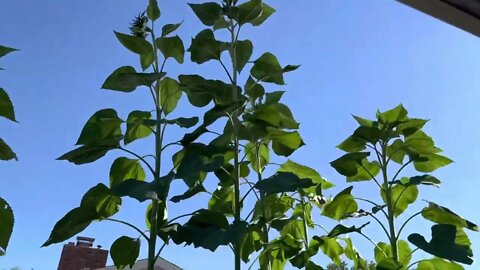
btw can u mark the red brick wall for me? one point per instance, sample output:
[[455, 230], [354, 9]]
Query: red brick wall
[[78, 257]]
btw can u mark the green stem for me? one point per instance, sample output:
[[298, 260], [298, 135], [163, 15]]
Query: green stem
[[236, 176], [390, 206], [129, 225], [406, 222], [268, 266], [305, 228]]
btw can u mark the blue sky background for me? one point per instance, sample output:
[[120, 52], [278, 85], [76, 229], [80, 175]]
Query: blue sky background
[[356, 56]]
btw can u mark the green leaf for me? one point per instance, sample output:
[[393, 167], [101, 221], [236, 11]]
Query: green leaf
[[348, 164], [352, 144], [162, 215], [268, 69], [201, 91], [431, 162], [139, 190], [6, 50], [285, 143], [366, 171], [305, 172], [205, 47], [6, 106], [394, 115], [396, 152], [443, 244], [332, 249], [101, 201], [443, 215], [89, 153], [146, 60], [276, 115], [208, 13], [102, 126], [171, 47], [170, 94], [244, 50], [420, 143], [267, 11], [411, 126], [253, 89], [341, 229], [246, 12], [251, 243], [223, 201], [126, 79], [153, 12], [295, 229], [124, 168], [282, 182], [192, 191], [382, 252], [135, 44], [438, 264], [368, 134], [341, 205], [259, 160], [273, 97], [6, 153], [425, 179], [182, 122], [404, 252], [124, 252], [170, 28], [71, 224], [6, 224], [401, 197], [364, 122], [272, 207], [136, 128]]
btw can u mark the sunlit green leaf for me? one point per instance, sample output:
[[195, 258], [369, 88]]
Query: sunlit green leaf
[[443, 215], [136, 128], [272, 207], [438, 264], [332, 249], [401, 197], [341, 205], [431, 162], [285, 143], [396, 114], [124, 168], [366, 171], [259, 156], [101, 201]]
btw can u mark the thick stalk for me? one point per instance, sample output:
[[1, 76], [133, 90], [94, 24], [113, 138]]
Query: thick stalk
[[158, 153], [236, 174], [305, 228], [390, 204], [265, 226]]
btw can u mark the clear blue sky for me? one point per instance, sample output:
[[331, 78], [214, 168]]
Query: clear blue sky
[[356, 56]]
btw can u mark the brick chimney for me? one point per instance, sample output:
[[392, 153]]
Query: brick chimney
[[82, 255]]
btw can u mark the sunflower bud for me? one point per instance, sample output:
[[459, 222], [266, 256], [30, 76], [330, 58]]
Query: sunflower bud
[[139, 26]]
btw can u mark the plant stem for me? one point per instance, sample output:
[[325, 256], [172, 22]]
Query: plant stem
[[268, 266], [129, 225], [304, 221], [236, 176], [390, 206]]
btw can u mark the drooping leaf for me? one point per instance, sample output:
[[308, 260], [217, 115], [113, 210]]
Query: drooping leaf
[[192, 191], [341, 205], [124, 168], [170, 94], [6, 153], [272, 207], [246, 12], [205, 47], [135, 44], [443, 244], [267, 11], [268, 69], [425, 179], [208, 13], [153, 12], [348, 164], [6, 106], [6, 50], [71, 224], [124, 252], [223, 201], [136, 128], [430, 162], [170, 28], [443, 215], [332, 249], [102, 126], [6, 224], [182, 122], [89, 153], [438, 264], [282, 182], [244, 50], [401, 197], [341, 229], [259, 156], [305, 172], [171, 47], [285, 143], [126, 79], [251, 243], [101, 201]]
